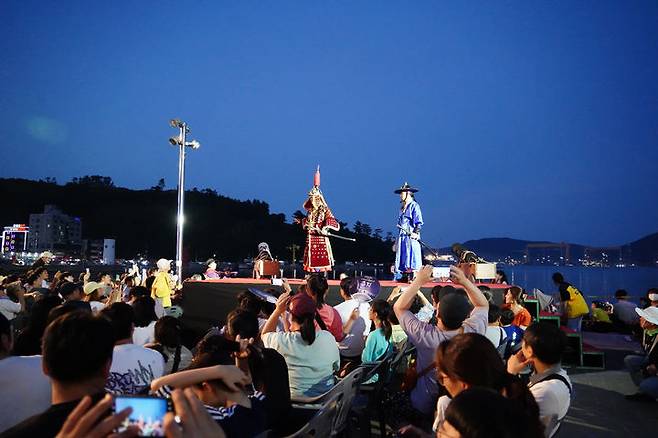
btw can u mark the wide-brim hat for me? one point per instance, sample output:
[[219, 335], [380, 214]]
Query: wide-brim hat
[[406, 188], [650, 314], [91, 286]]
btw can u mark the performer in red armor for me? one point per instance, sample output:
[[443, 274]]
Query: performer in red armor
[[318, 223]]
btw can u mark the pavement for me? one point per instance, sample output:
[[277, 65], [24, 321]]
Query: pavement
[[599, 409]]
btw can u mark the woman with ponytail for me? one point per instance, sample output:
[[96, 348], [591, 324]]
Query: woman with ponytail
[[378, 343], [312, 355]]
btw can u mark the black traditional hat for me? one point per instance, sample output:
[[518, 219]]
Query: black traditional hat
[[406, 188]]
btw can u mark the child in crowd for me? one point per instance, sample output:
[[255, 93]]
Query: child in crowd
[[514, 333], [495, 333]]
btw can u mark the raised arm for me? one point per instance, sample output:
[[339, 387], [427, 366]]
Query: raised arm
[[475, 295], [232, 376], [273, 320], [407, 298]]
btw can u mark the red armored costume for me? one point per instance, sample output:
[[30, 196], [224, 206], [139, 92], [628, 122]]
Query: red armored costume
[[319, 220]]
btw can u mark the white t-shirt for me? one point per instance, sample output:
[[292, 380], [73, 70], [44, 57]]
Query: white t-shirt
[[354, 342], [441, 405], [24, 389], [144, 335], [9, 308], [133, 369], [495, 334], [552, 397], [310, 367]]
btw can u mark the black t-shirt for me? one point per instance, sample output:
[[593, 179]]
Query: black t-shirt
[[270, 376], [48, 423], [238, 421], [564, 293]]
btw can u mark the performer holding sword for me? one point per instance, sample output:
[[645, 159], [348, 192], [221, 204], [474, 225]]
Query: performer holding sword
[[319, 220], [408, 255]]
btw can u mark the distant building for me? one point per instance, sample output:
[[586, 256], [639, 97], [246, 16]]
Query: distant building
[[55, 231], [14, 238], [99, 250]]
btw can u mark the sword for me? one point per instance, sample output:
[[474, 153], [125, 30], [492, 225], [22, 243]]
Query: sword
[[349, 239], [423, 244]]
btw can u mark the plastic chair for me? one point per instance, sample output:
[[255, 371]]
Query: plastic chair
[[374, 393], [346, 389], [321, 425]]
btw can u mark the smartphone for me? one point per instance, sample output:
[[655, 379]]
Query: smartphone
[[277, 282], [441, 272], [147, 413], [87, 269]]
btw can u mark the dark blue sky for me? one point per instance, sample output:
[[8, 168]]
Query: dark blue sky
[[533, 120]]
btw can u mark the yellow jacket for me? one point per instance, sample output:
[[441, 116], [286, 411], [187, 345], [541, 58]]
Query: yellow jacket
[[576, 305], [162, 288]]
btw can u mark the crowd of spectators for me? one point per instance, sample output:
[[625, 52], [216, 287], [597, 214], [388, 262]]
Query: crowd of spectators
[[475, 368]]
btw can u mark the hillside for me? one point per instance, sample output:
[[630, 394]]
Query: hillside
[[144, 221]]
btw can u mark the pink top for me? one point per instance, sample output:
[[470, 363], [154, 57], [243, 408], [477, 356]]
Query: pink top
[[331, 319]]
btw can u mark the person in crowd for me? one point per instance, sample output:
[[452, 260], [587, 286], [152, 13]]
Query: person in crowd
[[574, 306], [167, 335], [94, 295], [467, 361], [514, 333], [211, 270], [421, 307], [127, 284], [19, 401], [37, 281], [501, 277], [136, 292], [513, 301], [453, 318], [133, 366], [9, 308], [652, 297], [378, 343], [77, 355], [266, 367], [495, 332], [644, 369], [329, 319], [72, 293], [312, 356], [44, 259], [253, 304], [28, 341], [623, 313], [542, 348], [105, 279], [145, 319], [353, 312], [163, 286], [221, 389], [600, 317], [482, 412]]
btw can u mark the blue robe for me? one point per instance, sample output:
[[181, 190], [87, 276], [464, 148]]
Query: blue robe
[[408, 256]]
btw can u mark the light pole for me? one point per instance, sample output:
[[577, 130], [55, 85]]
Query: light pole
[[182, 143]]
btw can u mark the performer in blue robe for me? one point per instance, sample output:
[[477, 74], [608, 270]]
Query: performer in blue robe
[[408, 255]]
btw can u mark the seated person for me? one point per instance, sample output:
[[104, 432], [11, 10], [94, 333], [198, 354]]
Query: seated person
[[623, 312], [221, 388], [133, 366], [514, 302], [378, 343], [514, 333], [317, 288], [644, 369], [312, 356], [264, 255], [542, 348], [495, 333], [211, 270], [77, 355], [354, 313], [600, 319], [167, 341]]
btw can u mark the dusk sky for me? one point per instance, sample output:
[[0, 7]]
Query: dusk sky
[[531, 120]]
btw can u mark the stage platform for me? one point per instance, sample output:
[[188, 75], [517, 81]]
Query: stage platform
[[206, 303]]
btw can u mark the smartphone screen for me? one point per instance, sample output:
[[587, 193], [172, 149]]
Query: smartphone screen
[[277, 282], [148, 414], [441, 272]]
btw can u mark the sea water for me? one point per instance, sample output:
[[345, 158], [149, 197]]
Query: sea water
[[594, 283]]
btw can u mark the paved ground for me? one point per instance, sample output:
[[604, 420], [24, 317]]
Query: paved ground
[[600, 410]]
